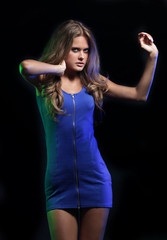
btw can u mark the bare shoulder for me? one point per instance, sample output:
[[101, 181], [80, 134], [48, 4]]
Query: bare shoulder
[[103, 78]]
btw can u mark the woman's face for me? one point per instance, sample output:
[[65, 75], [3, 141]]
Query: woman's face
[[78, 54]]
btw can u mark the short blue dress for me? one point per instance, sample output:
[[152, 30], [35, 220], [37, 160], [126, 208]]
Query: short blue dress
[[76, 175]]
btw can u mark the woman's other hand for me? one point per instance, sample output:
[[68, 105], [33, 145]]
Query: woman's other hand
[[147, 43]]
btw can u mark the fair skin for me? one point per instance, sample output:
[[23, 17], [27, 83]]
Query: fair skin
[[33, 70], [75, 62], [62, 223]]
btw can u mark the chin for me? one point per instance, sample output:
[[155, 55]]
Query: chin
[[76, 69], [79, 69]]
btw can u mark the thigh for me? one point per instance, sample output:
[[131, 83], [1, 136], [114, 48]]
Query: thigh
[[93, 223], [63, 224]]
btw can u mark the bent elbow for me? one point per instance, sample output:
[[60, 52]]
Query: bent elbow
[[24, 67], [145, 99], [142, 98]]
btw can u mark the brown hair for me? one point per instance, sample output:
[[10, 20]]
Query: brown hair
[[55, 52]]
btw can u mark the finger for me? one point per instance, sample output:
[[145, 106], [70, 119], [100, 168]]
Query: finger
[[147, 37], [63, 63]]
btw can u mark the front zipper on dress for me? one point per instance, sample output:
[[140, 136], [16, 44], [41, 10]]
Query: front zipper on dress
[[75, 158]]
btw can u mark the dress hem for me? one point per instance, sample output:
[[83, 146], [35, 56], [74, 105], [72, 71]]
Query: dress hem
[[83, 206]]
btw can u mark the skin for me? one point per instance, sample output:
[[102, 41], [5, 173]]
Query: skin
[[74, 63], [33, 71], [93, 221], [63, 223]]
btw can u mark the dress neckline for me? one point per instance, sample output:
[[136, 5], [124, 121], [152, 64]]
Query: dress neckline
[[73, 93]]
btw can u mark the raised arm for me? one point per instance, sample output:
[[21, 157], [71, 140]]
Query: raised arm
[[141, 91], [33, 70]]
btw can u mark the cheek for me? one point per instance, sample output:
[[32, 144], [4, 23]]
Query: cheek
[[70, 57], [86, 57], [69, 60]]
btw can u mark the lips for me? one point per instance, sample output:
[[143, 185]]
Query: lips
[[80, 64]]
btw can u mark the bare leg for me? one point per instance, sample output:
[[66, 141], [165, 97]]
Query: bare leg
[[93, 223], [63, 224]]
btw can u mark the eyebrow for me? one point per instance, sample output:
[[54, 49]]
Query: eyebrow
[[81, 48]]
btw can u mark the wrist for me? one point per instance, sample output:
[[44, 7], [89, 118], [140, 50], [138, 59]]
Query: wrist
[[154, 54], [59, 70]]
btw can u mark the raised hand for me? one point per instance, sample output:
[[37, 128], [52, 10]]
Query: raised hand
[[147, 43], [61, 68]]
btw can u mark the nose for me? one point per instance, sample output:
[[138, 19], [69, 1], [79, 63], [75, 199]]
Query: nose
[[81, 56]]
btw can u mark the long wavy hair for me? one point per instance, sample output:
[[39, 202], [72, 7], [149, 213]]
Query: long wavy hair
[[56, 51]]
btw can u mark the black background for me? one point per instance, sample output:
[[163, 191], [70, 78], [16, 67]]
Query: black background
[[132, 138]]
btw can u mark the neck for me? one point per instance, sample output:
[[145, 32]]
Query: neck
[[71, 75], [71, 82]]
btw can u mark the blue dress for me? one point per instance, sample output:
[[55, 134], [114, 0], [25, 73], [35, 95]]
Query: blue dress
[[76, 175]]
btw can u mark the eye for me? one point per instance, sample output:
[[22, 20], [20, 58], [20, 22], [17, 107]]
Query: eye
[[86, 50], [75, 49]]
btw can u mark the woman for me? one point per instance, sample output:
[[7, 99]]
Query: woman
[[69, 87]]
